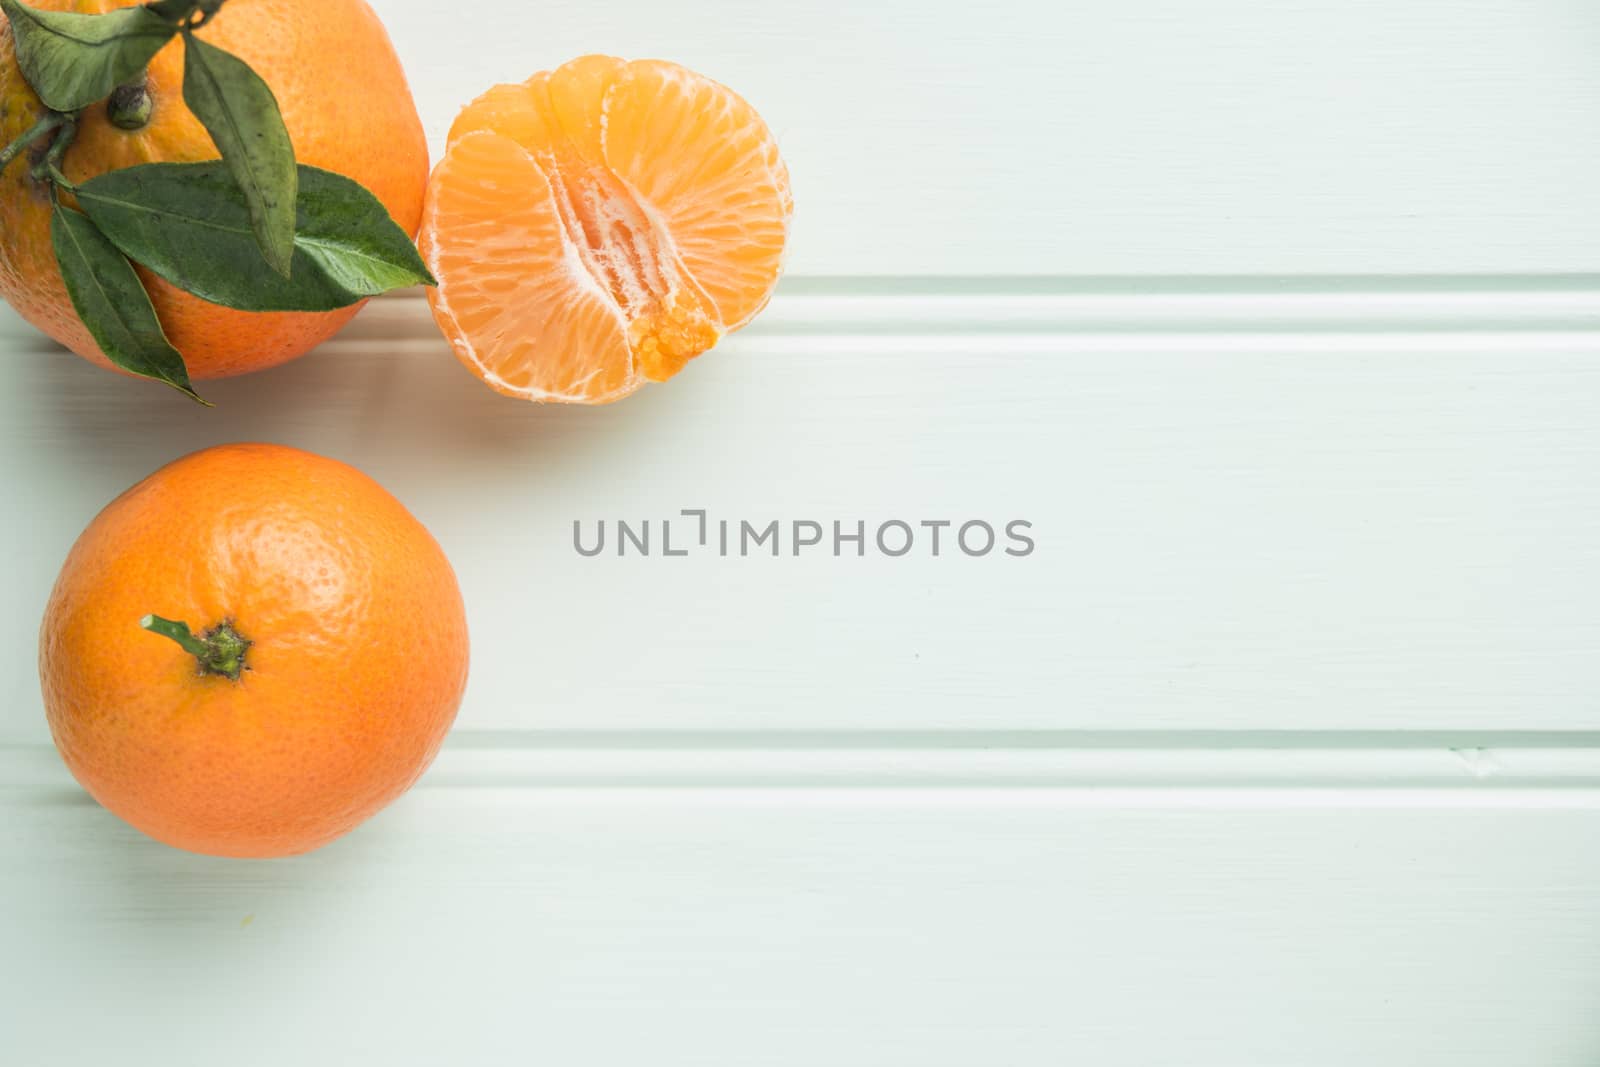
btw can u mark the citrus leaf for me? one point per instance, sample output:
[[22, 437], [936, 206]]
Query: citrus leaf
[[188, 222], [111, 301], [173, 10], [239, 111], [74, 60]]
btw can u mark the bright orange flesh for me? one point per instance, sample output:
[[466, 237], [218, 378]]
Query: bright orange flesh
[[345, 101], [357, 666], [600, 225]]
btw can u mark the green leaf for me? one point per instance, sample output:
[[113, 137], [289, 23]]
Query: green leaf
[[112, 303], [188, 222], [241, 114], [173, 10], [74, 60]]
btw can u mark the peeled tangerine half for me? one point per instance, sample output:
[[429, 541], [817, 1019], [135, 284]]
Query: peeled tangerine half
[[600, 225]]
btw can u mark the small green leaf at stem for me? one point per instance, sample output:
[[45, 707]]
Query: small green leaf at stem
[[239, 111], [73, 60], [112, 303], [189, 223]]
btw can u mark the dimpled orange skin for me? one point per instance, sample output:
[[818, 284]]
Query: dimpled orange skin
[[357, 666], [345, 101]]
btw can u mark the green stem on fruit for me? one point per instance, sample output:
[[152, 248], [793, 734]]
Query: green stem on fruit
[[49, 168], [51, 121], [57, 178], [129, 106], [219, 650]]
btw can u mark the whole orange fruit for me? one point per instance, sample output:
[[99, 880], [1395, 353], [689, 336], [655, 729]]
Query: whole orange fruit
[[330, 652], [348, 109]]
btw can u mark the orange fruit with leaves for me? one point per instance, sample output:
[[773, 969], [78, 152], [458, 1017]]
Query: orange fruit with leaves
[[601, 224], [347, 107], [251, 651]]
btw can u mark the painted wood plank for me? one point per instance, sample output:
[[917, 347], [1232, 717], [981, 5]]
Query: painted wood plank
[[1141, 136], [1254, 509], [1291, 770], [924, 927]]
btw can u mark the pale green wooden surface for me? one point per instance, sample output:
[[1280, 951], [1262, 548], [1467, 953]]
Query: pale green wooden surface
[[1282, 750], [1252, 512], [1119, 136]]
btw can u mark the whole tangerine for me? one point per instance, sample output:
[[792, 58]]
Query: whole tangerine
[[348, 109], [252, 651]]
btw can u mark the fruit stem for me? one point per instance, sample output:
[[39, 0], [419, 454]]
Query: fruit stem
[[49, 168], [129, 106], [220, 650], [50, 121]]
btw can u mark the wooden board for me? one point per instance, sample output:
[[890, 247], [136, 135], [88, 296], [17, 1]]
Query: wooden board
[[1307, 510], [1280, 325]]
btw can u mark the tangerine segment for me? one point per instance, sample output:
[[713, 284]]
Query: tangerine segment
[[723, 194], [600, 225], [520, 310]]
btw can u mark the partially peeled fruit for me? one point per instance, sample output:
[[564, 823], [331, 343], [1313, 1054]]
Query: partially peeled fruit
[[600, 225]]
